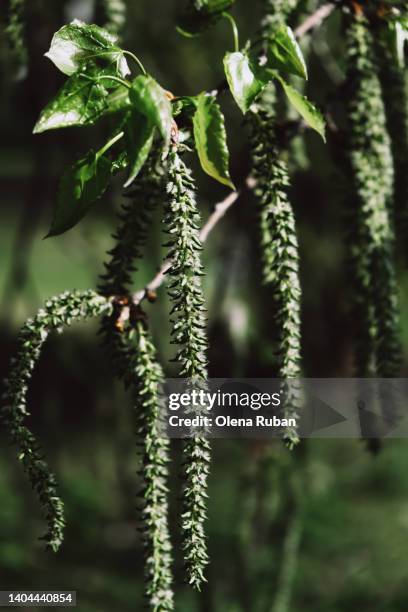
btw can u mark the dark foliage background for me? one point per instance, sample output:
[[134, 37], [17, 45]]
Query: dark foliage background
[[351, 507]]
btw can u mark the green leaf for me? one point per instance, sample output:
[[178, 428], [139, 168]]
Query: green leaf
[[211, 139], [284, 52], [78, 43], [305, 108], [80, 101], [198, 18], [150, 99], [244, 85], [118, 100], [80, 187], [139, 132]]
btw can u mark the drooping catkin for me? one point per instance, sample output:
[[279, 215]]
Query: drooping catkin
[[58, 312], [149, 412], [278, 230], [133, 355], [15, 31], [377, 347], [394, 84], [280, 256], [188, 331], [130, 237]]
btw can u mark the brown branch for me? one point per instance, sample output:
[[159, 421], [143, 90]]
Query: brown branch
[[315, 20], [219, 211]]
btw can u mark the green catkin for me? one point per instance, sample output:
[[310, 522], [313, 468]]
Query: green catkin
[[149, 411], [371, 241], [133, 356], [130, 237], [280, 256], [278, 231], [395, 94], [58, 312], [15, 31], [189, 322]]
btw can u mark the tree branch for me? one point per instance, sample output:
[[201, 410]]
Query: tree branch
[[219, 211], [315, 20]]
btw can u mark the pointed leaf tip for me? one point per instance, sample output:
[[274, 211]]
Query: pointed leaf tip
[[150, 99], [78, 43], [211, 139], [305, 108], [80, 187], [139, 133], [244, 83], [284, 52]]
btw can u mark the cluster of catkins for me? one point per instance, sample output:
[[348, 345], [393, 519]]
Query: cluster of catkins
[[372, 206], [377, 156], [130, 347]]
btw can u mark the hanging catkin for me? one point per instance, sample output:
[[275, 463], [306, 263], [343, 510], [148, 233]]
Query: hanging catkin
[[395, 94], [130, 237], [57, 313], [280, 256], [278, 231], [134, 357], [189, 322], [149, 411], [15, 31], [372, 239]]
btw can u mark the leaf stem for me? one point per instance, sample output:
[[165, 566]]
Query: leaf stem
[[111, 78], [234, 29], [137, 60], [109, 144]]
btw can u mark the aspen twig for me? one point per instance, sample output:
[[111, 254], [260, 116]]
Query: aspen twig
[[220, 209]]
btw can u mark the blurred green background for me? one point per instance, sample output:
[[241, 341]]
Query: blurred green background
[[330, 521]]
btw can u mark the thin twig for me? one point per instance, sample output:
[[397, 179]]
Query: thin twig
[[219, 211], [315, 20]]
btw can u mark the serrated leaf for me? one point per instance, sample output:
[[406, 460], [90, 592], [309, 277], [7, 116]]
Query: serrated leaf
[[211, 139], [79, 102], [78, 43], [139, 132], [80, 187], [150, 99], [305, 108], [284, 52], [244, 85], [198, 18]]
